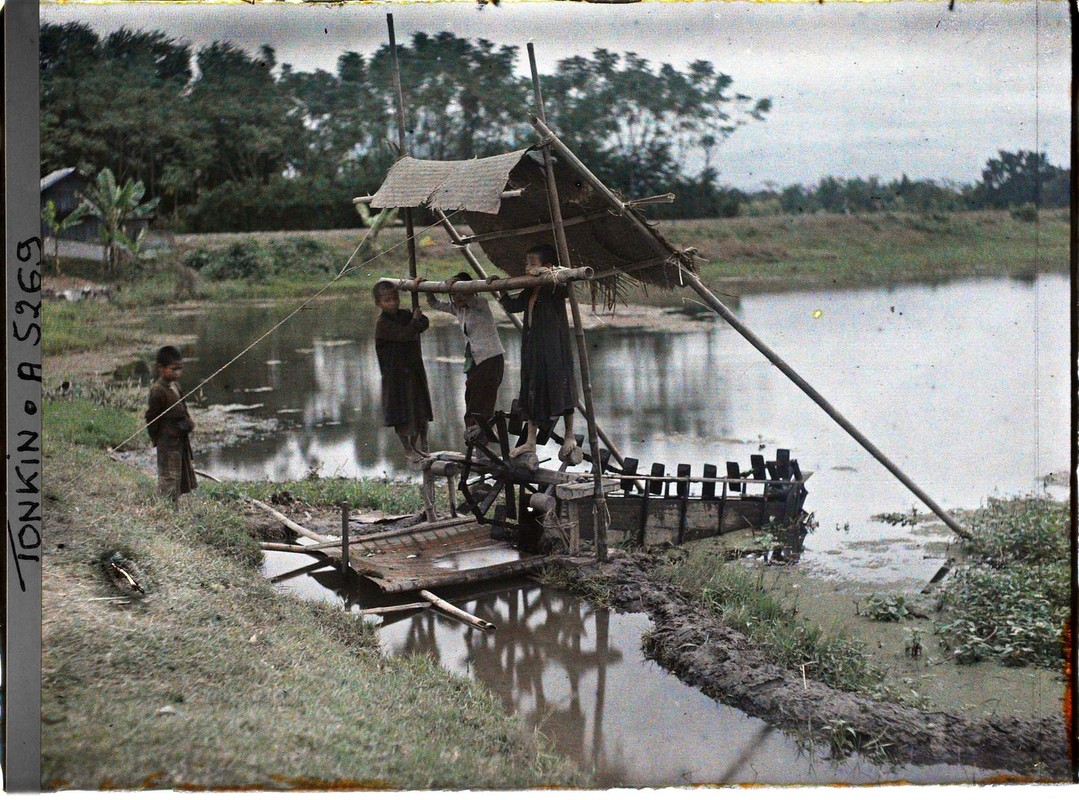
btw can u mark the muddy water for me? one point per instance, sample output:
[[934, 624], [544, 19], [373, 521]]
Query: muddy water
[[964, 385], [576, 673]]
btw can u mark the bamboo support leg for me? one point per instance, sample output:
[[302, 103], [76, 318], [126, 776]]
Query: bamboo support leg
[[600, 506], [455, 612]]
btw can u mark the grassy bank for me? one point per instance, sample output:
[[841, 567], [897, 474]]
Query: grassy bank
[[392, 497], [830, 250], [213, 679], [742, 254]]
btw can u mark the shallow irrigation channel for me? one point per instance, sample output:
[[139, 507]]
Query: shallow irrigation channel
[[577, 673]]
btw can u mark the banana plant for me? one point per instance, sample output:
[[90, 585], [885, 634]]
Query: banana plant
[[115, 206], [57, 224]]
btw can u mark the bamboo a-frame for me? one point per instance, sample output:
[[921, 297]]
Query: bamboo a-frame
[[603, 232]]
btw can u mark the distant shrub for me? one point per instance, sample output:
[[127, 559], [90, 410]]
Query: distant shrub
[[303, 254], [250, 259], [1028, 212], [245, 259]]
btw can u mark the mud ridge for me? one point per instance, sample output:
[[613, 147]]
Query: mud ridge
[[724, 664]]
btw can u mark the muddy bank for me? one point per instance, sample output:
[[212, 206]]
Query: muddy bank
[[690, 642]]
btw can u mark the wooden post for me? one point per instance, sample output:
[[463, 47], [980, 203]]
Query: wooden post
[[409, 232], [344, 539], [599, 510], [451, 492]]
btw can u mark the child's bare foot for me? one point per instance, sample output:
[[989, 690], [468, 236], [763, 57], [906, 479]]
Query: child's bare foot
[[521, 449], [570, 453], [415, 458]]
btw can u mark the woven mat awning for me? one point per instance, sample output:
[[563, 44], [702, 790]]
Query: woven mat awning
[[473, 185], [597, 236]]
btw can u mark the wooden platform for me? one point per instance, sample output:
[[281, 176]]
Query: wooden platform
[[455, 552]]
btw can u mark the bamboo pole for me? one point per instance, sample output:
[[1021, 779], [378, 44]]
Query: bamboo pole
[[394, 609], [295, 527], [409, 231], [492, 236], [716, 305], [344, 539], [454, 611], [555, 277], [599, 509], [281, 547]]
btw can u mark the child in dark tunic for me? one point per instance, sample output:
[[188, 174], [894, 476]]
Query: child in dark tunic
[[406, 403], [170, 427], [548, 388]]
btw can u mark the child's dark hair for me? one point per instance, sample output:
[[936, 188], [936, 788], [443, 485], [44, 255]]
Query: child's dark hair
[[462, 276], [168, 355], [546, 253], [381, 288]]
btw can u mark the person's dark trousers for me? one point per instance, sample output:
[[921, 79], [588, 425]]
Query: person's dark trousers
[[481, 389]]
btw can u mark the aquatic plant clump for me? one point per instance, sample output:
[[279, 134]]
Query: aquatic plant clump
[[1010, 600]]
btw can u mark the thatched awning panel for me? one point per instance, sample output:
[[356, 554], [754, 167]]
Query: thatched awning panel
[[474, 185], [475, 188], [610, 242]]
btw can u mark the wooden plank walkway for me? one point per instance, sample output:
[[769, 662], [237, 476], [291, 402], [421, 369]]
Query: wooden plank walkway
[[425, 557]]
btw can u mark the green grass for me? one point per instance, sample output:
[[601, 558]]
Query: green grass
[[392, 497], [1009, 599], [85, 326], [873, 249], [85, 423], [754, 253], [262, 689], [738, 597]]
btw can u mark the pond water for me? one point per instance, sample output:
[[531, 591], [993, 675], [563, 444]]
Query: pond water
[[963, 385], [576, 673]]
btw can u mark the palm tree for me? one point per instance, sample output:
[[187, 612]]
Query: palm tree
[[57, 225], [115, 206]]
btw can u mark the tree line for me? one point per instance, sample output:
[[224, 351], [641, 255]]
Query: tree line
[[230, 140]]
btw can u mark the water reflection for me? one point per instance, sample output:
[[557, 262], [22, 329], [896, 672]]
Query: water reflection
[[575, 672], [963, 385]]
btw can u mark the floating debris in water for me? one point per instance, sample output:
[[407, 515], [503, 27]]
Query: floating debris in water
[[256, 390], [231, 407], [289, 410], [274, 361], [332, 342], [304, 350], [451, 359]]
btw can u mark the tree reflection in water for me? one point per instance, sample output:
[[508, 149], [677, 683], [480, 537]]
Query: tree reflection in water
[[545, 647]]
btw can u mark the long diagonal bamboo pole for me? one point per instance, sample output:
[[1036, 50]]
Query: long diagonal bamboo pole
[[599, 507], [716, 305]]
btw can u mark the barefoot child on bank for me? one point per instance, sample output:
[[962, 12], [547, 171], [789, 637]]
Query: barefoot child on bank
[[171, 433], [548, 388], [406, 402], [484, 354]]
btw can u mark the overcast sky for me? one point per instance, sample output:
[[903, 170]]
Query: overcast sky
[[859, 89]]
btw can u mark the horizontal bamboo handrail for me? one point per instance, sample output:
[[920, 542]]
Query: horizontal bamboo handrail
[[553, 278], [506, 195]]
